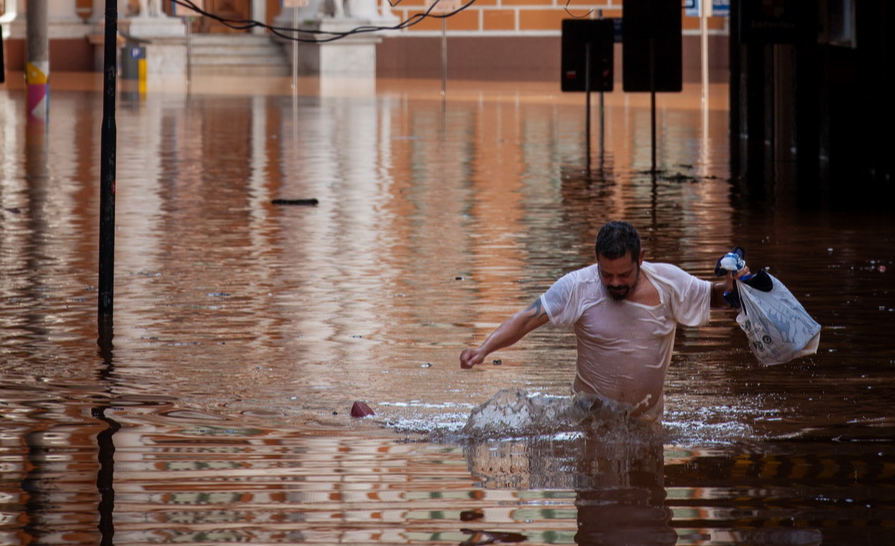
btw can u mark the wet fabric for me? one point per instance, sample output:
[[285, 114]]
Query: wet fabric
[[624, 347]]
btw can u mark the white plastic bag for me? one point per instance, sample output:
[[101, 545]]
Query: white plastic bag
[[778, 327]]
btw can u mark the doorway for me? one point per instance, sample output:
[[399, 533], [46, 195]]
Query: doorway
[[234, 10]]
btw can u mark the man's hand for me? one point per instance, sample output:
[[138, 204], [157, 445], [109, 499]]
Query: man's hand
[[512, 330], [737, 275], [720, 290], [470, 358]]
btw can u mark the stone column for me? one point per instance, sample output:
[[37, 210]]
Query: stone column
[[99, 11], [8, 17], [353, 55], [37, 61], [62, 20], [259, 13]]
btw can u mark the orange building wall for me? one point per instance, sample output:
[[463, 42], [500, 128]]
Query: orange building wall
[[511, 40], [518, 40], [526, 16]]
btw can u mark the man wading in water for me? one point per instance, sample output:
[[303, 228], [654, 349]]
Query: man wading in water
[[624, 312]]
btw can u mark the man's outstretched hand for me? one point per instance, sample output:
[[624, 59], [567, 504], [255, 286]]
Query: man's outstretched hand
[[470, 358]]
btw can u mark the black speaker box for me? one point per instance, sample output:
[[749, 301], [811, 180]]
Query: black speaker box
[[651, 45], [579, 35]]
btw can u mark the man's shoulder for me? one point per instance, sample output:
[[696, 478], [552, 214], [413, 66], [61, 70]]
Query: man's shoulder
[[584, 274], [664, 269], [673, 277], [571, 294], [578, 279]]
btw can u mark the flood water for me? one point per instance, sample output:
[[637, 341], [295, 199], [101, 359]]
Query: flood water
[[244, 331]]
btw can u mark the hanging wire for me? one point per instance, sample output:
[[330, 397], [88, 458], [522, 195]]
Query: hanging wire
[[323, 36], [566, 9]]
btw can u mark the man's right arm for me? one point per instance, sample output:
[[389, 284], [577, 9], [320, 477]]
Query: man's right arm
[[508, 333]]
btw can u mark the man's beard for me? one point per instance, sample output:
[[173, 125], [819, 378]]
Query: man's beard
[[618, 293]]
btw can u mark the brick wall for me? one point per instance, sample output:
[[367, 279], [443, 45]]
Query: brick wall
[[523, 16], [519, 40]]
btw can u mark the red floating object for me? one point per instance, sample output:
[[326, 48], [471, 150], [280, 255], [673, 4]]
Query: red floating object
[[360, 409]]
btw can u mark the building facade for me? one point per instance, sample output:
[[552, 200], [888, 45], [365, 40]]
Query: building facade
[[498, 40]]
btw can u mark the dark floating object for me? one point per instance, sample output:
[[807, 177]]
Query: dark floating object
[[480, 538], [311, 202], [471, 515], [497, 362], [360, 409]]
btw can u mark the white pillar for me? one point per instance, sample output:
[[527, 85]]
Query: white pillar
[[259, 13], [363, 9], [62, 15], [63, 10], [99, 11], [386, 12], [62, 19], [8, 17]]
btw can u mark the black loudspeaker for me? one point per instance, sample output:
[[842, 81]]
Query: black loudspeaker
[[651, 45], [579, 35]]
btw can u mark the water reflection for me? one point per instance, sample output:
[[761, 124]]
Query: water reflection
[[245, 330], [615, 468], [630, 489]]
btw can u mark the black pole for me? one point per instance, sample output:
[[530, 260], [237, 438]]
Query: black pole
[[105, 477], [652, 96], [602, 111], [107, 174], [587, 76]]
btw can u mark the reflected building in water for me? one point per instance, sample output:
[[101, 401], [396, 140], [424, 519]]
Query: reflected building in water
[[804, 78], [243, 326]]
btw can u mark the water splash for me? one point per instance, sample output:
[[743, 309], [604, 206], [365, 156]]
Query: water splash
[[517, 412], [533, 440]]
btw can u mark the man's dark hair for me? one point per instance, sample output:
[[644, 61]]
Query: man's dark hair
[[616, 239]]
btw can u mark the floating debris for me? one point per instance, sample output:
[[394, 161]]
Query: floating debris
[[480, 538], [307, 202], [360, 409], [471, 515]]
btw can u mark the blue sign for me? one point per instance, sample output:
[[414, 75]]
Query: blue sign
[[720, 8]]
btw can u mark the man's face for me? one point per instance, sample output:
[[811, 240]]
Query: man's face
[[619, 276]]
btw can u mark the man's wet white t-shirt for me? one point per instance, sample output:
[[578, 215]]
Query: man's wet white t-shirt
[[624, 348]]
